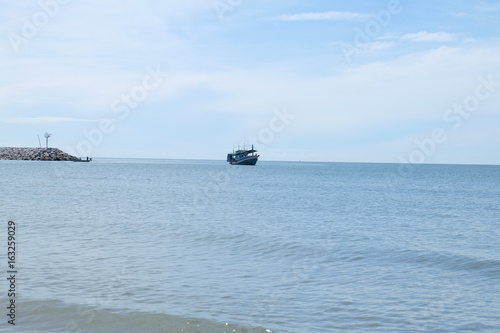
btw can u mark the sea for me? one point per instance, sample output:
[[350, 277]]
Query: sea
[[146, 245]]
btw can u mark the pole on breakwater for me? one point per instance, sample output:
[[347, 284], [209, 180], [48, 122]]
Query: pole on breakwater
[[47, 136]]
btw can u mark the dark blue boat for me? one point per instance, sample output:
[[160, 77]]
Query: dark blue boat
[[243, 157]]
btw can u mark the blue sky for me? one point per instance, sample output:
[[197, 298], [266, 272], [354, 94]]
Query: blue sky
[[355, 81]]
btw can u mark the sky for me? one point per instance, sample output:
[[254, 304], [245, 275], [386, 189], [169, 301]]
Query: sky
[[394, 81]]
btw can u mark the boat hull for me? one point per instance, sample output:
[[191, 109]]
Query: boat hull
[[250, 160]]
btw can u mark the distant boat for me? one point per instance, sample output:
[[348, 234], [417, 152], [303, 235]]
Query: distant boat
[[80, 159], [243, 157]]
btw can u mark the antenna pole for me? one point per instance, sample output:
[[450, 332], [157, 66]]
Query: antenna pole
[[47, 136]]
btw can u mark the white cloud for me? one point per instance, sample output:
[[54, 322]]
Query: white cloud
[[337, 16], [388, 36], [424, 36], [401, 92]]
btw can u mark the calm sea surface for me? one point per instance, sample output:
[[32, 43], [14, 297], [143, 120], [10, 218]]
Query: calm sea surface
[[121, 245]]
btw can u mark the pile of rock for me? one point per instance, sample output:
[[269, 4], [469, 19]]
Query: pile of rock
[[34, 154]]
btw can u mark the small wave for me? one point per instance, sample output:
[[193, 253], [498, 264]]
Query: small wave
[[452, 261], [251, 244]]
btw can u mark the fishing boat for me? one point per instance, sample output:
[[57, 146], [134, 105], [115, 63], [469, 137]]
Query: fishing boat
[[243, 157]]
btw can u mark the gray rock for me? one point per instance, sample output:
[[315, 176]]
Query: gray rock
[[34, 154]]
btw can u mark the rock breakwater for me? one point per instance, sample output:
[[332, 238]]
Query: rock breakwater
[[35, 154]]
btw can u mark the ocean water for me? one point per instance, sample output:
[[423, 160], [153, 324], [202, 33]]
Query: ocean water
[[136, 245]]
